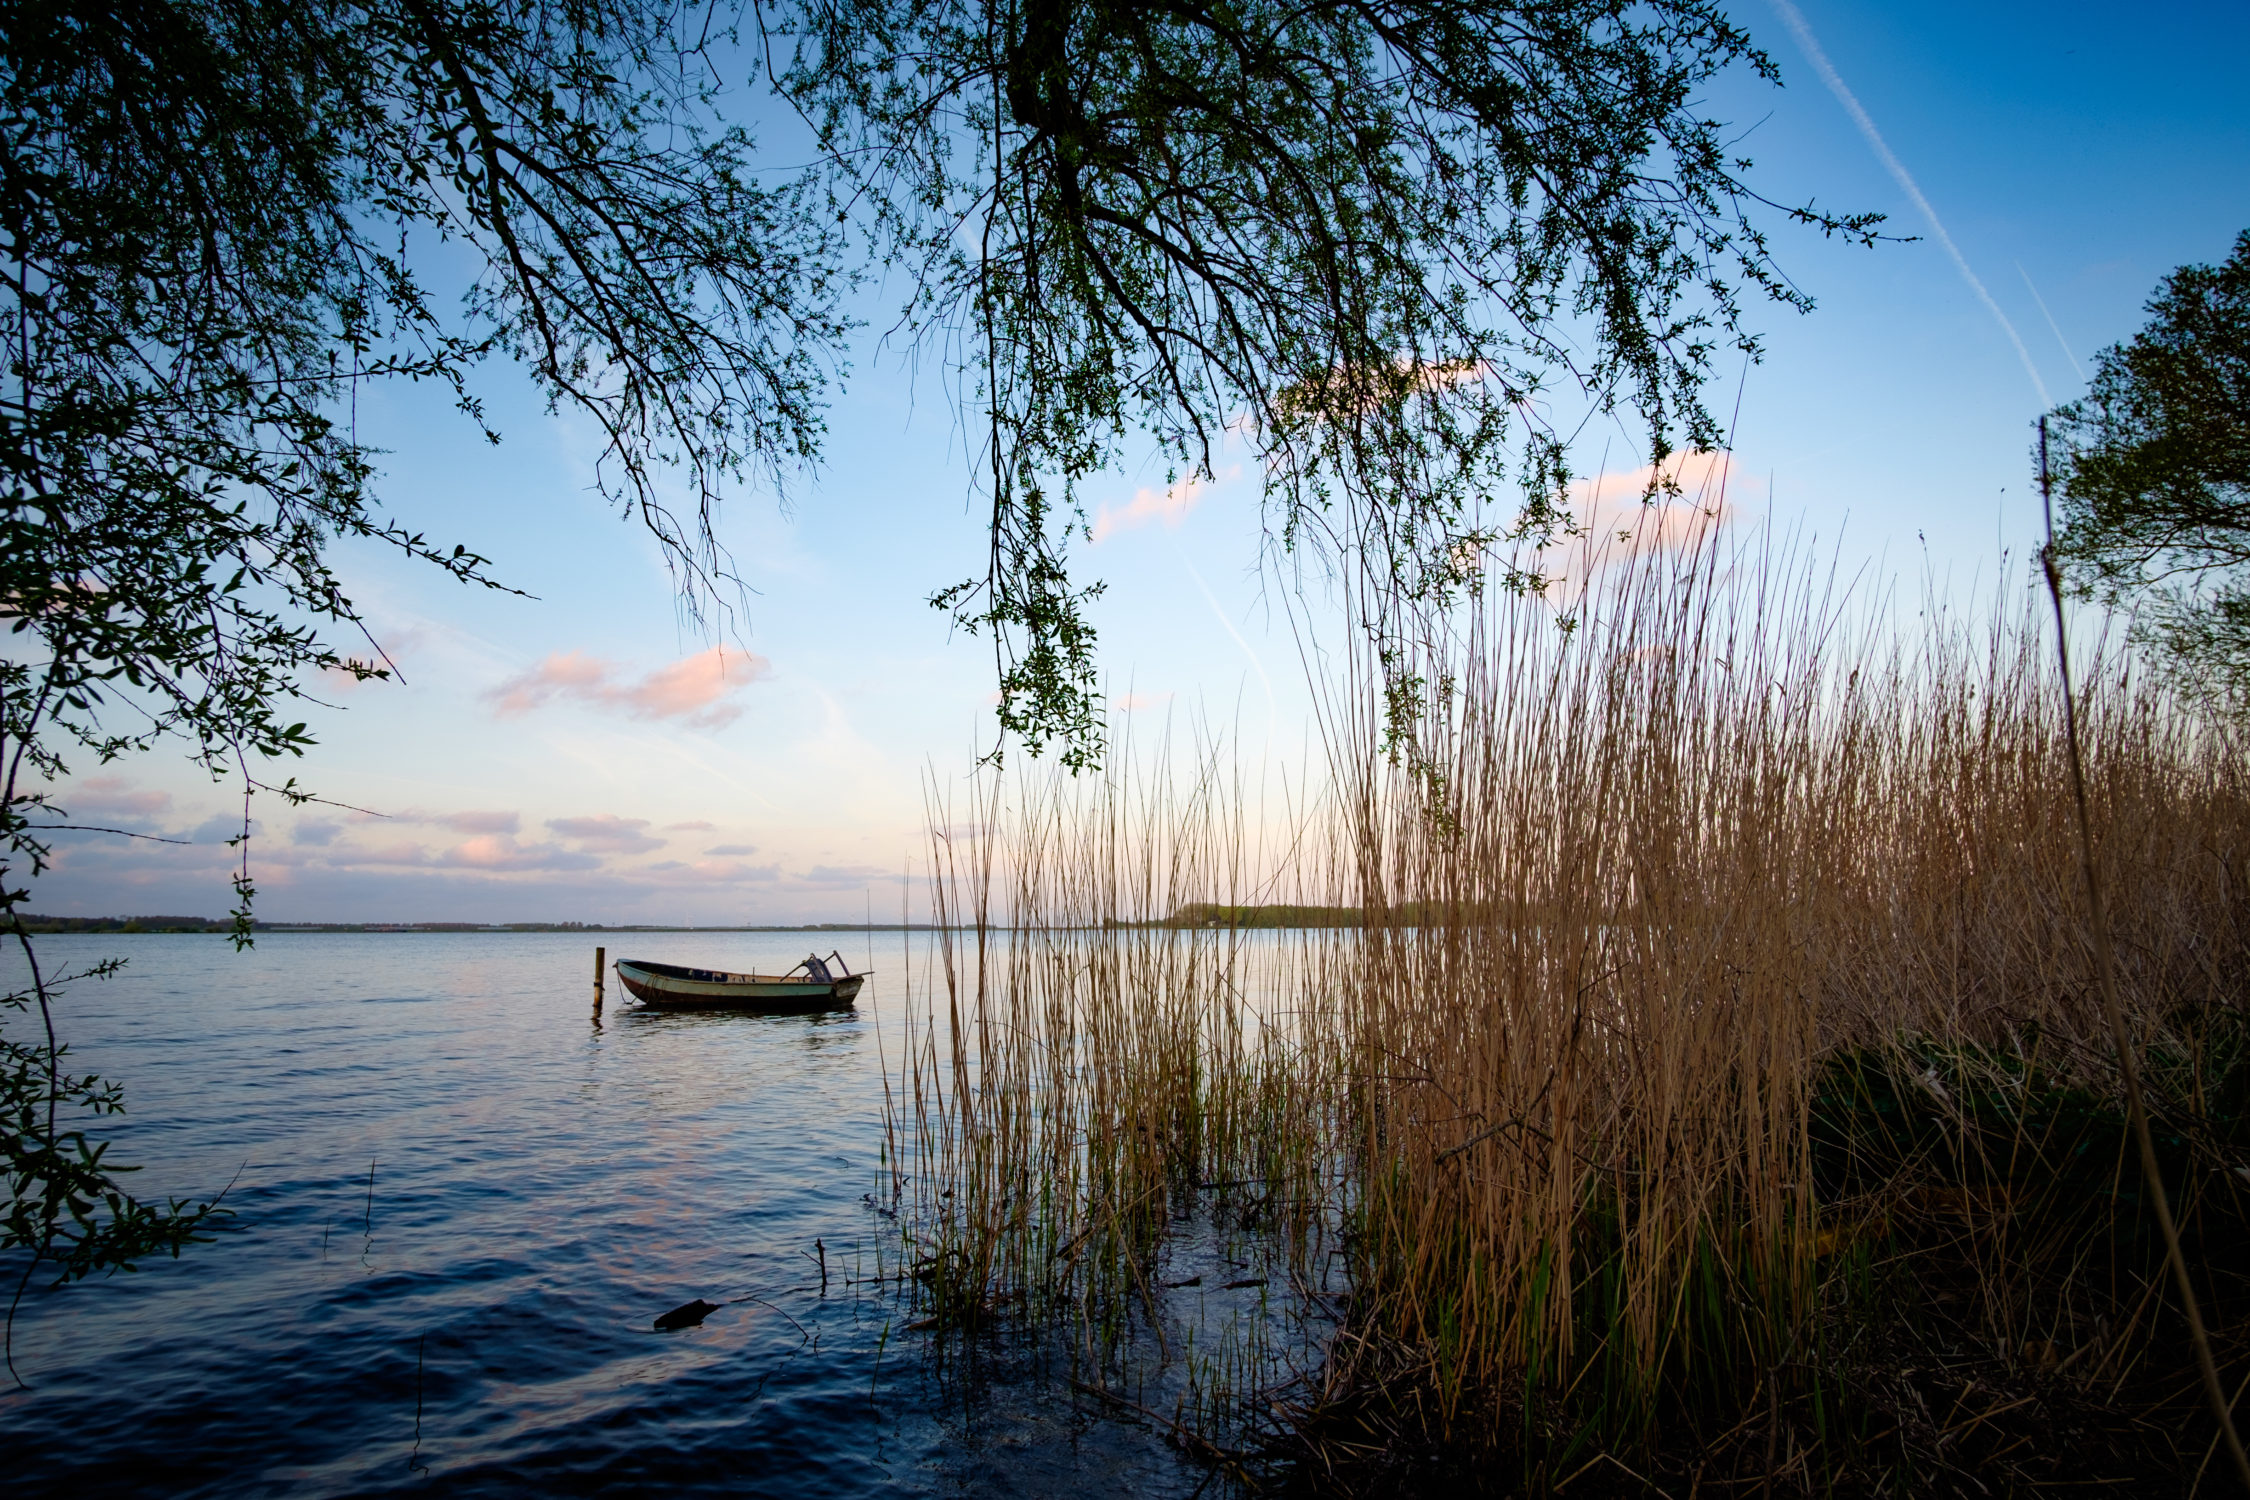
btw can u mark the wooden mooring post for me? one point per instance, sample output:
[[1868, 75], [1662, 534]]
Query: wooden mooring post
[[601, 964]]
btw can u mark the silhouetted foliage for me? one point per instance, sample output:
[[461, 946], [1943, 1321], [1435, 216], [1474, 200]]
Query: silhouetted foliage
[[1370, 235], [215, 217], [2154, 469]]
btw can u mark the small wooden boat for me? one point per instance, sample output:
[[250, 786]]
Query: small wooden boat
[[815, 984]]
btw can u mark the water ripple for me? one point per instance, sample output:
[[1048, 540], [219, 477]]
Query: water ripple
[[477, 1319]]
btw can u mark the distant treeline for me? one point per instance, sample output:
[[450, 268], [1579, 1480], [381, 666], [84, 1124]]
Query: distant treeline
[[123, 924], [1211, 914], [221, 924], [1405, 914]]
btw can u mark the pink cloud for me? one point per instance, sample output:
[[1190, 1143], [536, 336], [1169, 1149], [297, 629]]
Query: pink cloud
[[562, 672], [1169, 505], [503, 852], [1689, 498], [490, 851], [694, 690], [1622, 514], [693, 825], [344, 680], [483, 854]]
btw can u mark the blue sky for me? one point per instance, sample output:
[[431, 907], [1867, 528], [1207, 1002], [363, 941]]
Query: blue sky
[[583, 756]]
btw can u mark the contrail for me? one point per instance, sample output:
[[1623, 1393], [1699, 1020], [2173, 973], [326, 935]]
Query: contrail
[[1272, 713], [1795, 20], [2053, 326]]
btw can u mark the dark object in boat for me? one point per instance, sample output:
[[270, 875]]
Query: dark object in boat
[[686, 1315], [815, 984]]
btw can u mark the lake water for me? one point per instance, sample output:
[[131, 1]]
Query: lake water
[[459, 1207]]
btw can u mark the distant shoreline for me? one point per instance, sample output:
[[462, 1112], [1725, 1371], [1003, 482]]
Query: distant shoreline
[[1195, 915], [43, 926]]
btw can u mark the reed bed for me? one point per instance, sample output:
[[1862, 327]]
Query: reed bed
[[1079, 1078], [1711, 1088]]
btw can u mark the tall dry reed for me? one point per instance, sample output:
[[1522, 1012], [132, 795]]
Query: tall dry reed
[[1719, 952], [1077, 1073]]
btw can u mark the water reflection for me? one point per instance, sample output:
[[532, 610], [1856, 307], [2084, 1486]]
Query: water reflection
[[479, 1318]]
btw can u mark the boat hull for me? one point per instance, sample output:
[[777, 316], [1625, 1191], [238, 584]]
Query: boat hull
[[669, 987]]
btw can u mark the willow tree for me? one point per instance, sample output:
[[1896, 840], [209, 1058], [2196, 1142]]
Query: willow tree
[[1373, 236], [215, 219]]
